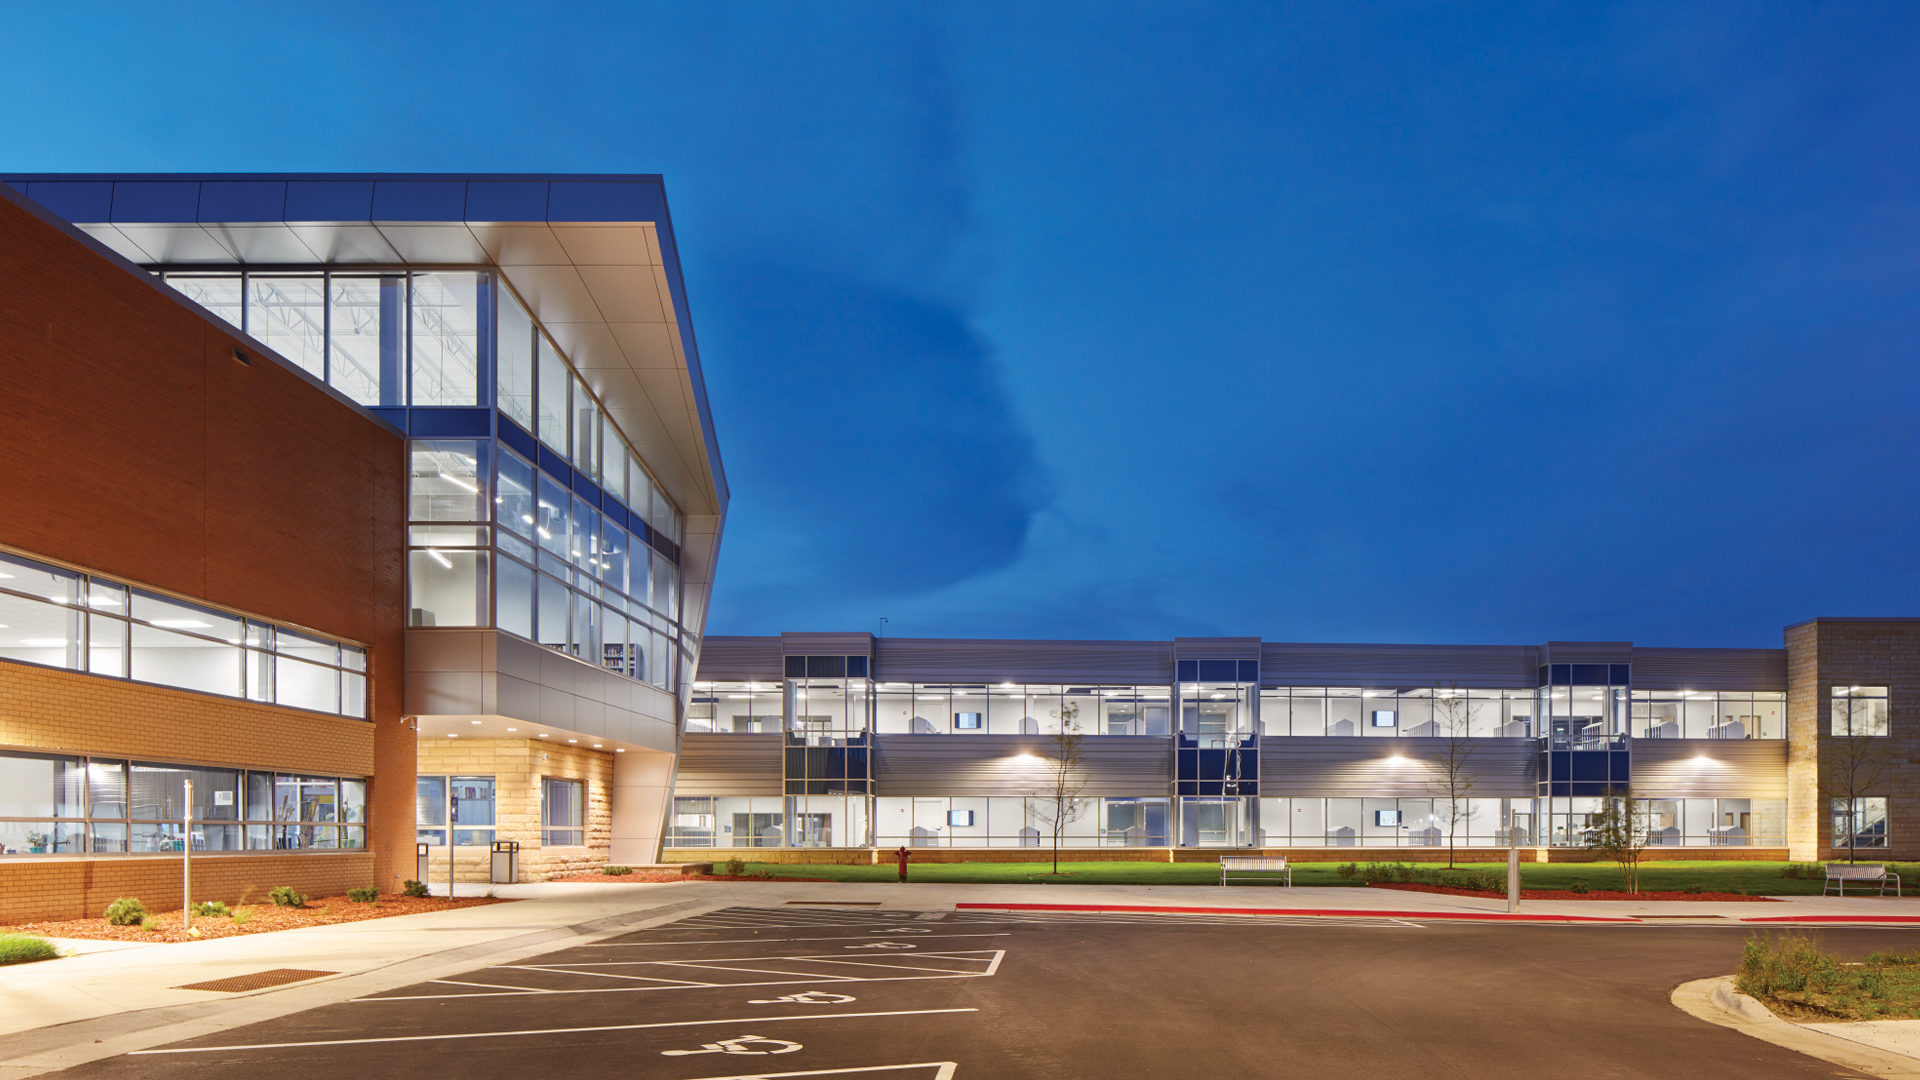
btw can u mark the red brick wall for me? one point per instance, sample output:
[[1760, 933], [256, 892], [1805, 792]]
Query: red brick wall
[[139, 448], [47, 888]]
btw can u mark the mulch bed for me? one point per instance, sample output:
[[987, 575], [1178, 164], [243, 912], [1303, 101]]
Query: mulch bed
[[1567, 894], [260, 919]]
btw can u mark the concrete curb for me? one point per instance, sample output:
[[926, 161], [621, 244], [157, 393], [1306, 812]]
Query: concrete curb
[[62, 1046], [1717, 1002]]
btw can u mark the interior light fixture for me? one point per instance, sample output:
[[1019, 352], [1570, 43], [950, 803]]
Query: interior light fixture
[[544, 534], [475, 723], [573, 740], [596, 746], [513, 729], [467, 485], [43, 642], [181, 624], [451, 735], [441, 559]]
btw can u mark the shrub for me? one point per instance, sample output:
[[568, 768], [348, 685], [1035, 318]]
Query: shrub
[[616, 871], [23, 948], [1577, 886], [1788, 964], [1693, 890], [211, 909], [415, 889], [240, 917], [284, 896], [1346, 871], [1807, 871], [366, 894], [126, 911], [734, 868]]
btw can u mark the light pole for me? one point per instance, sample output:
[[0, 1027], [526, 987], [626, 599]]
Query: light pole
[[186, 861], [1513, 858]]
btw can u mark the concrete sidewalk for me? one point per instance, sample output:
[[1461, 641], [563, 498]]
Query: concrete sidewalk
[[108, 998]]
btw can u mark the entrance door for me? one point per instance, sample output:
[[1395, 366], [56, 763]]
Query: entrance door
[[813, 830]]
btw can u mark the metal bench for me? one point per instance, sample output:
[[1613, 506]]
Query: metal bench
[[1247, 866], [1838, 874]]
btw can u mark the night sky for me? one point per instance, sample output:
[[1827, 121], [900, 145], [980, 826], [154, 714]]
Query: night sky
[[1320, 322]]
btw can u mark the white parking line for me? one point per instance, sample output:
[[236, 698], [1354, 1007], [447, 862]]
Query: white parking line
[[945, 1072], [601, 975], [989, 957], [540, 1031], [490, 986]]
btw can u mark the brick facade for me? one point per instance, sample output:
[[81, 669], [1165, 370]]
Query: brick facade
[[142, 449], [518, 766], [1822, 654], [47, 888]]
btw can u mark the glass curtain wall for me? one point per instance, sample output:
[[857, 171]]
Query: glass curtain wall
[[81, 622], [52, 804], [1014, 821], [1709, 714], [1019, 709], [1421, 712]]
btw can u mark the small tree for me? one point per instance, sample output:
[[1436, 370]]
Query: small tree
[[1853, 768], [1453, 766], [1063, 772], [1620, 833]]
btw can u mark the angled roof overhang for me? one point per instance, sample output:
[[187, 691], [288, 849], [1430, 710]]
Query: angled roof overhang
[[593, 257]]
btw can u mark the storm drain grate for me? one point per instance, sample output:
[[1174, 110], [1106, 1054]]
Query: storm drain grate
[[259, 980]]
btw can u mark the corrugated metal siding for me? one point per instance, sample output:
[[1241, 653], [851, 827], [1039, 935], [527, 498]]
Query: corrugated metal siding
[[1216, 648], [811, 644], [1587, 652], [737, 659], [992, 661], [728, 765], [1710, 669], [1710, 768], [1474, 666], [1500, 768], [1111, 765]]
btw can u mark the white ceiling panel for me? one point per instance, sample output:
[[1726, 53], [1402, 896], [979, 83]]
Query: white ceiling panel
[[647, 345], [555, 294], [178, 243], [345, 243], [117, 242], [624, 293], [667, 389], [433, 243], [589, 345], [272, 243], [607, 245], [513, 244]]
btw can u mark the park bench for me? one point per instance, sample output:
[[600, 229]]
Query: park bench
[[1838, 874], [1246, 866]]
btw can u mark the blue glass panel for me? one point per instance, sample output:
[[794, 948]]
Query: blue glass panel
[[1619, 675], [506, 200], [329, 200], [586, 489], [826, 667], [243, 200], [1621, 770], [1589, 674], [615, 512], [156, 200], [856, 667], [472, 422], [1188, 671], [518, 438], [77, 201], [1188, 764], [419, 200], [554, 465], [1249, 671], [1560, 787], [796, 667], [1590, 765], [1218, 671], [1543, 680], [1563, 674], [396, 417]]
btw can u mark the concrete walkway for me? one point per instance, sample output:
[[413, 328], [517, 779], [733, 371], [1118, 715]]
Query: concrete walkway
[[108, 998]]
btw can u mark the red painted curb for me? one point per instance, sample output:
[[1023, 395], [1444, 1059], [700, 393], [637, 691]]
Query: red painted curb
[[1484, 916], [1838, 919]]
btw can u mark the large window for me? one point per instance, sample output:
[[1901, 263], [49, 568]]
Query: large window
[[1859, 710], [445, 324], [64, 619], [563, 813], [51, 804], [1709, 714], [1860, 823], [463, 805]]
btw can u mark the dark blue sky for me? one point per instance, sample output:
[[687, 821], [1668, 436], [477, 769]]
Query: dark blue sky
[[1317, 321]]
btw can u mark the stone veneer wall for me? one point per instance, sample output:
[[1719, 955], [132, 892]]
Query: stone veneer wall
[[517, 767], [1825, 653]]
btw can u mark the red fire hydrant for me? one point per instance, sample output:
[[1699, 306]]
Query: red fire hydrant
[[903, 855]]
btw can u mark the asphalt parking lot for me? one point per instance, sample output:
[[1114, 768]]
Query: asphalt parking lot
[[830, 992]]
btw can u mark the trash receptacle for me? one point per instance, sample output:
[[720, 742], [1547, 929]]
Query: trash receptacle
[[420, 861], [506, 862]]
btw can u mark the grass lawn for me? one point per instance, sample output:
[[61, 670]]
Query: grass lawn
[[1797, 980], [22, 948], [1754, 878]]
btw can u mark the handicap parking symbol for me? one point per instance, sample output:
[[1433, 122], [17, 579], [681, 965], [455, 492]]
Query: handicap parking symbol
[[882, 945], [902, 930], [808, 997], [745, 1044]]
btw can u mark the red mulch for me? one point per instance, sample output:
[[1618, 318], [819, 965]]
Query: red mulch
[[1565, 894], [260, 919]]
